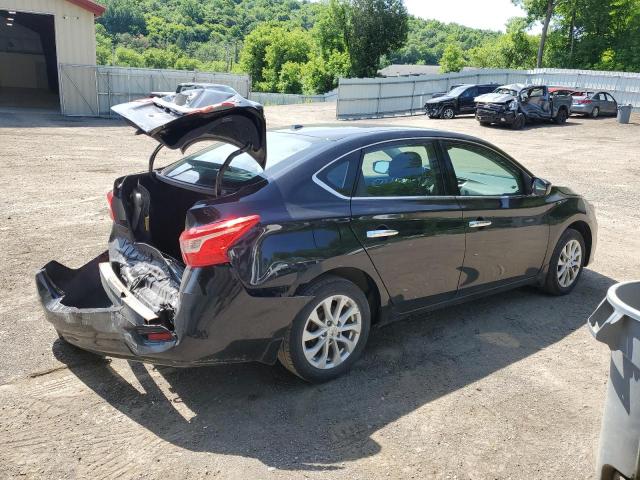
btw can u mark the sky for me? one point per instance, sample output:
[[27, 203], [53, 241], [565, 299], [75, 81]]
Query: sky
[[488, 14]]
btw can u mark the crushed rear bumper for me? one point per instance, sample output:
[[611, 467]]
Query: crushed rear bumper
[[218, 320]]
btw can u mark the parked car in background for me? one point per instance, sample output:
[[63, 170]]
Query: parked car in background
[[233, 255], [458, 101], [593, 104], [517, 104]]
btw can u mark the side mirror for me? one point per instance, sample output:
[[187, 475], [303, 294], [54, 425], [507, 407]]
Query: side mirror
[[540, 187], [381, 167]]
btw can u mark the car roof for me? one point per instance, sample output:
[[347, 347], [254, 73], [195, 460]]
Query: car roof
[[338, 133]]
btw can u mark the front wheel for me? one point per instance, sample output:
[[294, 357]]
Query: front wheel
[[518, 123], [448, 113], [566, 263], [595, 113], [329, 334]]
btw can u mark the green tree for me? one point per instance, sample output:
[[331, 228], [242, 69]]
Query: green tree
[[452, 59], [104, 46], [290, 78], [254, 52], [159, 58], [123, 16], [371, 29], [286, 47], [515, 49], [126, 57]]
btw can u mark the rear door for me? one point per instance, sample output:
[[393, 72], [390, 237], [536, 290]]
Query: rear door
[[413, 233], [506, 227]]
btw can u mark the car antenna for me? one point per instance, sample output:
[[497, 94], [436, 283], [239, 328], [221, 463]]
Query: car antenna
[[225, 165], [152, 158]]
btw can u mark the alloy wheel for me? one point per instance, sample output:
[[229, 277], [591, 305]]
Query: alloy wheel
[[569, 263], [448, 113], [331, 332]]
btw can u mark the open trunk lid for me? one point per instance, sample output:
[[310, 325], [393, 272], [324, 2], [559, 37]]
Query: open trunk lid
[[181, 119]]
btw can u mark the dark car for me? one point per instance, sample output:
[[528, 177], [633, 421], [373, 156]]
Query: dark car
[[233, 255], [459, 100]]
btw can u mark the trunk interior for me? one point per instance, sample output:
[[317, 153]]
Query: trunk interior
[[157, 210], [151, 267]]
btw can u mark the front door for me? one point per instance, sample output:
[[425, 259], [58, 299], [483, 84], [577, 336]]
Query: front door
[[536, 103], [466, 100], [506, 227], [414, 235]]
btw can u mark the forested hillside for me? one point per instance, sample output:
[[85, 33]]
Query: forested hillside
[[211, 35], [295, 46]]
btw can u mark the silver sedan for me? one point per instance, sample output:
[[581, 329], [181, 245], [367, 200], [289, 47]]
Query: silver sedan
[[593, 104]]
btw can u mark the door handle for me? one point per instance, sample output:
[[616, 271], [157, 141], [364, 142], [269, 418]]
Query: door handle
[[381, 233], [479, 223]]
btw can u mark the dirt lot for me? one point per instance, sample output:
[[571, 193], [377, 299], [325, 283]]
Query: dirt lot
[[509, 387]]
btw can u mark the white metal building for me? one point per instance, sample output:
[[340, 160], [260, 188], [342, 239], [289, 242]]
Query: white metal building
[[35, 37]]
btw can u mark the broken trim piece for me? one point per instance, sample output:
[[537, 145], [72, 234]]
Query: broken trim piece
[[109, 276]]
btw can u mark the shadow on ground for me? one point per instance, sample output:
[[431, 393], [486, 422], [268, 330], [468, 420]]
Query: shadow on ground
[[11, 117], [265, 413]]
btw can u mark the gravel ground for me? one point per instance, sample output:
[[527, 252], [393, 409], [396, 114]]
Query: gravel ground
[[508, 387]]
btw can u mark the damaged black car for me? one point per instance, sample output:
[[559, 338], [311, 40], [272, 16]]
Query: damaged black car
[[290, 245]]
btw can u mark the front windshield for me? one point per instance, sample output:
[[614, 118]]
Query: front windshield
[[505, 91], [201, 167], [458, 91]]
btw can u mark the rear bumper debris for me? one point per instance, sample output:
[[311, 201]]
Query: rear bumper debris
[[217, 321]]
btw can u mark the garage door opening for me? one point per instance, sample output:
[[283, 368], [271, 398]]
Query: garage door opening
[[28, 63]]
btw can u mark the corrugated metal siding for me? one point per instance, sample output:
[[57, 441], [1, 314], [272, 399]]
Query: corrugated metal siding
[[379, 97], [75, 44], [97, 88]]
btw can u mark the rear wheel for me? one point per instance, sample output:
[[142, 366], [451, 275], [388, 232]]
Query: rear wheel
[[448, 113], [595, 112], [484, 124], [561, 116], [329, 334], [566, 263]]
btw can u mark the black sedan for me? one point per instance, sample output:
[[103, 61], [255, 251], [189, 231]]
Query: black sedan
[[230, 255]]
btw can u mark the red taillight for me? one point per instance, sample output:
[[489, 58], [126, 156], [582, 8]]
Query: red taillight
[[159, 336], [584, 102], [208, 244], [112, 213]]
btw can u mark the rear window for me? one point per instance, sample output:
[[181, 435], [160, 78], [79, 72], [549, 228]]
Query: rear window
[[200, 168]]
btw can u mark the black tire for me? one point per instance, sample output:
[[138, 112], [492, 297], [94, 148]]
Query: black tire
[[595, 113], [519, 122], [561, 116], [552, 284], [448, 113], [432, 116], [484, 124], [291, 354]]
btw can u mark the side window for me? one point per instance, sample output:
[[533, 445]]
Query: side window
[[598, 96], [480, 171], [341, 175], [610, 98], [536, 92], [469, 92], [408, 170]]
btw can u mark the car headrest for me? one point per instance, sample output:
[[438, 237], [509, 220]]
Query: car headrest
[[405, 164]]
